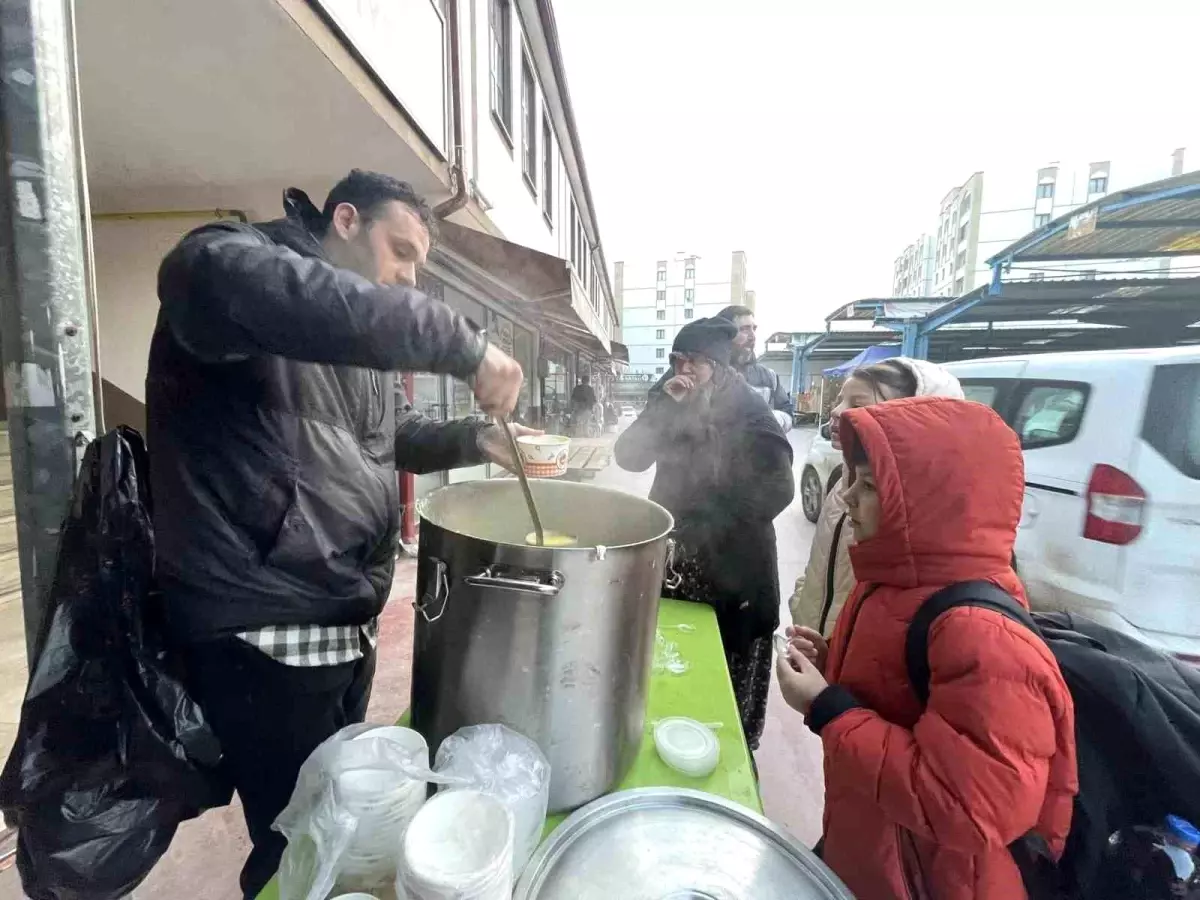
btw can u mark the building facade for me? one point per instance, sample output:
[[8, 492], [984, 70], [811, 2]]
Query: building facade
[[658, 298], [991, 210], [913, 272]]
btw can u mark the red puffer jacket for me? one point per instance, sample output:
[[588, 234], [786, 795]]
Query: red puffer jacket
[[922, 804]]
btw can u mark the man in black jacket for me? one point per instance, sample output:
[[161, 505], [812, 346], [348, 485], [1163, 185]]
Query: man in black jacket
[[763, 379], [274, 444]]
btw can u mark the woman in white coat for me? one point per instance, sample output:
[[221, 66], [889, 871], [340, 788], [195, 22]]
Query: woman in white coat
[[828, 578]]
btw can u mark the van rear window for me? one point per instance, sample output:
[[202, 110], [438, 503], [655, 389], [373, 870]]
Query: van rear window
[[1172, 422]]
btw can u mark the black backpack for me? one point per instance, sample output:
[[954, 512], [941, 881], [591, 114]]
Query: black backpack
[[1137, 729]]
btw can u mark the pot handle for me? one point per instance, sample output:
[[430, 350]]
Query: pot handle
[[441, 591], [672, 577], [545, 584]]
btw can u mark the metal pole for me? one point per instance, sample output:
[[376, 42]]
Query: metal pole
[[44, 322]]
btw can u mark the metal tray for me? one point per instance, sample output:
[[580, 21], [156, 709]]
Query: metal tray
[[673, 844]]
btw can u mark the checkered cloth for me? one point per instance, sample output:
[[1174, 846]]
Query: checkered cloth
[[314, 645]]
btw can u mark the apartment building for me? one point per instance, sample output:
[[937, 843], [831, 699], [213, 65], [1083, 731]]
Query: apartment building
[[658, 298], [914, 269], [992, 209]]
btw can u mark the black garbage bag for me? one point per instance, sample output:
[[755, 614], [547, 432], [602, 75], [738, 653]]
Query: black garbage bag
[[111, 753]]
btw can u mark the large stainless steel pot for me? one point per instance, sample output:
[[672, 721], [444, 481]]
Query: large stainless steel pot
[[556, 643]]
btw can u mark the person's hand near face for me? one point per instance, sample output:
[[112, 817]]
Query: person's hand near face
[[691, 371]]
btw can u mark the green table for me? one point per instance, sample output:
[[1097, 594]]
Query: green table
[[702, 692]]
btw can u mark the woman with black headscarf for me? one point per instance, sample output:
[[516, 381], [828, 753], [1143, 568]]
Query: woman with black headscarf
[[724, 471]]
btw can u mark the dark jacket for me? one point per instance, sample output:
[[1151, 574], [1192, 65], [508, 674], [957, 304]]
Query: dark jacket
[[766, 383], [583, 395], [724, 483], [273, 432]]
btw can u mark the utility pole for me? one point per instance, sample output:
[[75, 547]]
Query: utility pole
[[45, 332]]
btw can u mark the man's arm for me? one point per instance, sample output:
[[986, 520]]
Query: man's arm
[[228, 292], [424, 445], [779, 397]]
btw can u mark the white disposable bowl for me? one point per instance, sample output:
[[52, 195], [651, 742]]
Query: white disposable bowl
[[687, 746], [459, 840], [544, 455]]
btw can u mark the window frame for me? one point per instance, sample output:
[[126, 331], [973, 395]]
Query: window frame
[[660, 334], [1103, 182], [547, 171], [1041, 220], [660, 315], [1045, 190], [689, 312], [500, 56], [529, 119], [660, 352], [1166, 429]]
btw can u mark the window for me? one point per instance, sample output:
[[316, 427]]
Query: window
[[661, 315], [688, 295], [660, 297], [1041, 220], [529, 164], [980, 393], [662, 273], [660, 334], [1045, 190], [1098, 184], [1172, 421], [962, 232], [500, 64], [689, 273], [547, 172], [660, 352], [688, 313], [658, 371], [1050, 414]]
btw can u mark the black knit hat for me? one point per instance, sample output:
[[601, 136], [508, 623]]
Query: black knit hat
[[711, 337]]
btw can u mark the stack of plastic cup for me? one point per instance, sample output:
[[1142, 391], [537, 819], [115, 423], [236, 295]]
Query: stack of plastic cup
[[459, 846], [384, 802]]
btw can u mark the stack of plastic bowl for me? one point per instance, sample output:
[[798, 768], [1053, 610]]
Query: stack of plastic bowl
[[459, 847], [384, 801]]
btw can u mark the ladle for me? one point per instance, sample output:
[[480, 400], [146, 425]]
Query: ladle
[[524, 479]]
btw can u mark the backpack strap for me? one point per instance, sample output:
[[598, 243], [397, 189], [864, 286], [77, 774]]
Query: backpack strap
[[982, 594]]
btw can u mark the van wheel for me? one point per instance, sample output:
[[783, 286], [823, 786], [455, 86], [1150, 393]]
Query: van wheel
[[811, 494]]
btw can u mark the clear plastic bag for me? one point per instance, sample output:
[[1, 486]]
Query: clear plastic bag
[[354, 797], [496, 760], [667, 657]]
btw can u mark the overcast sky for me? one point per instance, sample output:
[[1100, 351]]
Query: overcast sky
[[822, 143]]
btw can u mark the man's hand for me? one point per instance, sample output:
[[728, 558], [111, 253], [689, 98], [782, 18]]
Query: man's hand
[[679, 387], [799, 680], [494, 445], [497, 382], [811, 645]]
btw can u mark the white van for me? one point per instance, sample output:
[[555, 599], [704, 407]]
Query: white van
[[1110, 526]]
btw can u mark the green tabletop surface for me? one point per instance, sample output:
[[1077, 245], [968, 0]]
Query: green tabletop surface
[[703, 692]]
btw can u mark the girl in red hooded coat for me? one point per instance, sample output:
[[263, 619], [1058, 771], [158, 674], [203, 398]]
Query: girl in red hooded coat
[[923, 803]]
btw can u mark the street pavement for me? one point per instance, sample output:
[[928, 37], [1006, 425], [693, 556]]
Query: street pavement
[[207, 853]]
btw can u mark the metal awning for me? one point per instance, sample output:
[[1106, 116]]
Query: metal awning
[[542, 284], [1152, 220], [891, 308]]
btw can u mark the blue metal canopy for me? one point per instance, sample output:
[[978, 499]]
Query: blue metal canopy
[[872, 354]]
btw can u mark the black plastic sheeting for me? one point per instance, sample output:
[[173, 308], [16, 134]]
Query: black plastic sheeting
[[111, 753]]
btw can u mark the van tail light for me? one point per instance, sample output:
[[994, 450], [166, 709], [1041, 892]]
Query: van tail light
[[1116, 505]]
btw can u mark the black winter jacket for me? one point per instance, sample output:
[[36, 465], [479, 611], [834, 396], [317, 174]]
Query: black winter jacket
[[766, 383], [273, 432], [724, 483]]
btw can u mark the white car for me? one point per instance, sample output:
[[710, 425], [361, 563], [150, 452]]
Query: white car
[[822, 469], [1110, 526]]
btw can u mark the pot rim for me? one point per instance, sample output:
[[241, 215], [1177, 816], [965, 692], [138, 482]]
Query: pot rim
[[424, 503]]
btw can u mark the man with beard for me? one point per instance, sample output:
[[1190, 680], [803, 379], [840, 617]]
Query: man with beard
[[763, 379], [724, 471]]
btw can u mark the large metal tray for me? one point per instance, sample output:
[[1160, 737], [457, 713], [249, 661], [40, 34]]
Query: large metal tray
[[674, 844]]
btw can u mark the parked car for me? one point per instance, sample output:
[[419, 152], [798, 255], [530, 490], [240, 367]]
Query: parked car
[[822, 469], [1110, 526]]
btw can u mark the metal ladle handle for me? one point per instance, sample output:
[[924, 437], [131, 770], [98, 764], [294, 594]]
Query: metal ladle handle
[[524, 479]]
